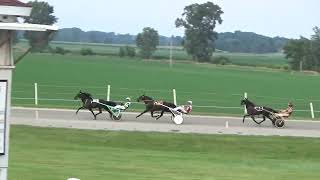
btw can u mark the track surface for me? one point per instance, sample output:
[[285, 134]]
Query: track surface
[[192, 124]]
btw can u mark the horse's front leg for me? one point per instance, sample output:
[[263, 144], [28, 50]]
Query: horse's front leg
[[245, 117], [160, 115], [79, 109], [142, 113]]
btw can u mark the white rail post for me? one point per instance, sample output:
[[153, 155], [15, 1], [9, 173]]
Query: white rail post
[[36, 93], [312, 112], [108, 93], [245, 96], [227, 124], [174, 96]]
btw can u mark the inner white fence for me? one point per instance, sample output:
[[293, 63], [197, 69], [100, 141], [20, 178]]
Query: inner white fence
[[175, 92]]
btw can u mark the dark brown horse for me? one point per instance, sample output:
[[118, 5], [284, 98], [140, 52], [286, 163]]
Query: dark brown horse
[[152, 107], [89, 103], [253, 110]]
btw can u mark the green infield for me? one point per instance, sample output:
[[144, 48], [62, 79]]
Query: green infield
[[272, 60], [213, 89], [51, 154]]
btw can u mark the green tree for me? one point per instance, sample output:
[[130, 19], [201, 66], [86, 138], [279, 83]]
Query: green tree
[[304, 52], [315, 46], [199, 21], [41, 14], [147, 42], [296, 51], [131, 51], [122, 52]]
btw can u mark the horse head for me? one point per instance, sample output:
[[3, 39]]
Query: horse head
[[83, 95], [245, 101], [144, 98]]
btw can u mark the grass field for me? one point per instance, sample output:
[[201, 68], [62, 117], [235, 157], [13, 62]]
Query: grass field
[[61, 77], [275, 60], [51, 154]]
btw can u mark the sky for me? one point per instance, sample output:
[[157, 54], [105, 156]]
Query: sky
[[285, 18]]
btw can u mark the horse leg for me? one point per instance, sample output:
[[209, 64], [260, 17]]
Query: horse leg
[[154, 115], [272, 120], [93, 113], [79, 109], [142, 113], [245, 117], [100, 111], [160, 115], [264, 119], [252, 117]]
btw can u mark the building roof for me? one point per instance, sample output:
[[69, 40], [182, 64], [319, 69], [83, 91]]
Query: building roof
[[13, 3], [28, 27]]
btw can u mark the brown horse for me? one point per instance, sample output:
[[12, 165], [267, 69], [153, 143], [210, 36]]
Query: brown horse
[[152, 107], [90, 104], [253, 110]]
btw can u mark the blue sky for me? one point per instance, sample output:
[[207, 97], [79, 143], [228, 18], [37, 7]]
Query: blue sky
[[287, 18]]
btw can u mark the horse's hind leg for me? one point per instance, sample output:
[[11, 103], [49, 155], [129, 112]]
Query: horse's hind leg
[[151, 112], [252, 117], [100, 111], [272, 120], [264, 119], [95, 117], [160, 115]]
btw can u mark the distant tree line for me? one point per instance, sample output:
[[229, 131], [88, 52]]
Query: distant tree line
[[200, 38], [246, 42], [249, 42], [77, 35]]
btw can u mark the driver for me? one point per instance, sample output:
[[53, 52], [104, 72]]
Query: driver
[[286, 112], [185, 109], [125, 105]]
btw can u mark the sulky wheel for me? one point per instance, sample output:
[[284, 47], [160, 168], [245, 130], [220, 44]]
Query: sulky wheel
[[178, 119], [279, 123], [116, 118]]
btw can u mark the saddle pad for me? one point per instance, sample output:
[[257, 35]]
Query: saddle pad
[[95, 100]]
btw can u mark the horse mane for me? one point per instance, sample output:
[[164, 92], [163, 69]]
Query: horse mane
[[249, 102], [87, 94], [148, 97]]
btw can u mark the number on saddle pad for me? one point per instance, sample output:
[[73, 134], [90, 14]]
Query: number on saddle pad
[[260, 108]]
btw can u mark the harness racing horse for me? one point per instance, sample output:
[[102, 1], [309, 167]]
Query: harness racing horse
[[152, 106], [253, 110], [89, 103]]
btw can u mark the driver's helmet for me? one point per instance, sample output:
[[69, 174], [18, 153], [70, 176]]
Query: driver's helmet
[[128, 99], [189, 102], [290, 104]]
